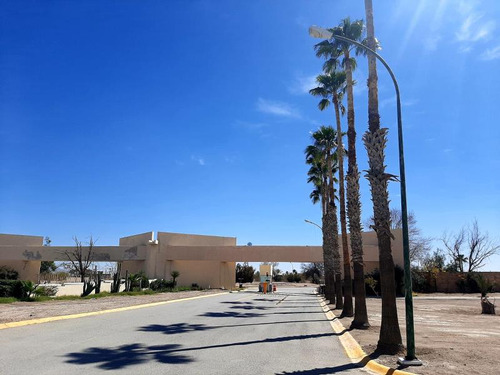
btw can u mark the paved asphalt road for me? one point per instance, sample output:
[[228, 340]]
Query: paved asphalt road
[[236, 333]]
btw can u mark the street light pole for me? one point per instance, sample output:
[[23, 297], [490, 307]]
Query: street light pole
[[410, 359], [313, 223]]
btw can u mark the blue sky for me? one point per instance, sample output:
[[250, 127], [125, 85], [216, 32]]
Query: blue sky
[[122, 117]]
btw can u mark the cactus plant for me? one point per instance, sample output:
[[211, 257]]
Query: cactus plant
[[115, 287]]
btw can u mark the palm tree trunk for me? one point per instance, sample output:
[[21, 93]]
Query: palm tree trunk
[[333, 232], [375, 139], [353, 201], [348, 308], [328, 258]]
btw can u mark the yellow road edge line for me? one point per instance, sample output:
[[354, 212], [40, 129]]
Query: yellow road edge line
[[353, 349], [93, 313]]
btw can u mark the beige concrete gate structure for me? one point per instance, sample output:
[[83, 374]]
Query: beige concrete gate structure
[[208, 261]]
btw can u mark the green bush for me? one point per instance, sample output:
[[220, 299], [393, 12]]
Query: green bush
[[28, 289], [244, 273], [7, 273], [17, 288], [485, 286], [419, 282], [7, 287], [293, 277], [161, 284], [278, 277], [46, 291], [468, 284], [398, 280], [138, 280]]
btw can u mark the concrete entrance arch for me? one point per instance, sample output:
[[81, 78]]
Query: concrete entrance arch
[[208, 261]]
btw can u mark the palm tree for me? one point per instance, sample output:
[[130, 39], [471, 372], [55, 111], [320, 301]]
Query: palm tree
[[330, 49], [321, 156], [175, 275], [375, 139], [332, 88]]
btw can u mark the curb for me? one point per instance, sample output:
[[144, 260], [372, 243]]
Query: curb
[[354, 350], [93, 313]]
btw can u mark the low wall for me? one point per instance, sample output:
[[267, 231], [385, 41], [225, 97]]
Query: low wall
[[447, 282]]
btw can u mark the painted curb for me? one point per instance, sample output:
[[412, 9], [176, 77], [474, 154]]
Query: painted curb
[[102, 312], [354, 350]]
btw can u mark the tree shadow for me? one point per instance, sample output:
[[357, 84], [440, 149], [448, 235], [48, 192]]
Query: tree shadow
[[261, 341], [135, 354], [229, 314], [323, 370], [266, 299], [128, 355], [249, 307], [237, 303], [336, 369], [176, 328], [280, 293], [179, 328]]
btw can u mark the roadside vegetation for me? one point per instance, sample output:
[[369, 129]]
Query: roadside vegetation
[[14, 290]]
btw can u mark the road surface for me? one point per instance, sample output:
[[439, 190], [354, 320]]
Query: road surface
[[233, 333]]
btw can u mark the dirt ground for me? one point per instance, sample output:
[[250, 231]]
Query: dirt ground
[[17, 311], [451, 335]]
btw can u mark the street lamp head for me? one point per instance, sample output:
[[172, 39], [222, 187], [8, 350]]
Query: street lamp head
[[319, 32]]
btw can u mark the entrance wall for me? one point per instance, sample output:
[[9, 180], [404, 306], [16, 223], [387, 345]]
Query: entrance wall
[[28, 269], [206, 273], [204, 260]]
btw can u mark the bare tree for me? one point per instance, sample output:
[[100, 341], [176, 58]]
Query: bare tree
[[454, 247], [80, 259], [470, 246], [420, 246]]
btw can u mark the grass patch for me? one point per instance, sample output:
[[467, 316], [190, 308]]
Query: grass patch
[[8, 299]]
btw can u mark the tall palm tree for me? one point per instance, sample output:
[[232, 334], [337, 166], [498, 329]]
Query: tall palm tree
[[321, 155], [331, 87], [375, 139], [329, 49]]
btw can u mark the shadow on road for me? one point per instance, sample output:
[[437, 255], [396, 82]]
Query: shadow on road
[[177, 328], [337, 369], [173, 329], [128, 355], [250, 307], [323, 370], [232, 314], [134, 354]]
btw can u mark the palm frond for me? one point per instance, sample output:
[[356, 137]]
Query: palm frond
[[319, 91], [323, 104], [324, 49]]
